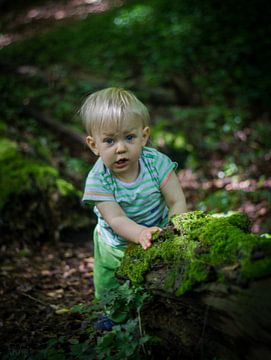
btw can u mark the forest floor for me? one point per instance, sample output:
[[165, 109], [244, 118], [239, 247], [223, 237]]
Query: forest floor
[[39, 288]]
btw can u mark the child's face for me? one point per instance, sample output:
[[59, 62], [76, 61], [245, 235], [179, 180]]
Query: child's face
[[120, 147]]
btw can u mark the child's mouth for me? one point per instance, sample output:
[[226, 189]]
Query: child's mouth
[[121, 162]]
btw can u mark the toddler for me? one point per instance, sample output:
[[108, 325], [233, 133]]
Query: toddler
[[134, 187]]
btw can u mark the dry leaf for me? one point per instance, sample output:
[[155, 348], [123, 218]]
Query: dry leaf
[[62, 311]]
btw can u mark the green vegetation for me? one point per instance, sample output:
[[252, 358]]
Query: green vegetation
[[22, 175], [32, 196], [126, 340], [210, 45], [204, 245]]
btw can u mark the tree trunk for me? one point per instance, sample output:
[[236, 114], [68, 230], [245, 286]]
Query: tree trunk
[[213, 321], [211, 301]]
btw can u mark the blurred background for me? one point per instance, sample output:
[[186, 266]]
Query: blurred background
[[201, 67], [203, 70]]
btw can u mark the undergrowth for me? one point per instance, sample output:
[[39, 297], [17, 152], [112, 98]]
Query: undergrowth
[[126, 340]]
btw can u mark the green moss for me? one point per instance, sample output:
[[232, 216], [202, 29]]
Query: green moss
[[257, 269], [240, 221], [65, 188], [8, 149], [36, 204], [190, 221], [258, 264], [196, 272], [203, 246], [138, 261], [3, 127], [22, 175]]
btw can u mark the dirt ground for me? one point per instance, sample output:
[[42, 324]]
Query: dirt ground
[[39, 287]]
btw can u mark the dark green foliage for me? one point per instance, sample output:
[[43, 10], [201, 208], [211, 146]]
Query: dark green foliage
[[207, 54], [210, 55], [216, 50], [126, 340]]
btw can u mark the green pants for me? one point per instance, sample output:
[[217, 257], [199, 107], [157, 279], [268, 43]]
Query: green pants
[[106, 260]]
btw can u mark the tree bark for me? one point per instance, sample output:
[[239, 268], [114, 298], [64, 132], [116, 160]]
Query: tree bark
[[213, 321]]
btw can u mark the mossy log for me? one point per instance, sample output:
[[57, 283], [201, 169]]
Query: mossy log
[[36, 204], [210, 280]]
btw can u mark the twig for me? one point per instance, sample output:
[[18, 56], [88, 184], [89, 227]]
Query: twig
[[38, 300], [141, 331]]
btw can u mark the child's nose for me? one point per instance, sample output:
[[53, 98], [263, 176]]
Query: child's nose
[[121, 148]]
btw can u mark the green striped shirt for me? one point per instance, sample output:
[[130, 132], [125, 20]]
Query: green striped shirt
[[141, 200]]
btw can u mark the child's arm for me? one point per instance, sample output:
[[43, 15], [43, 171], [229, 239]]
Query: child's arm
[[125, 227], [174, 195]]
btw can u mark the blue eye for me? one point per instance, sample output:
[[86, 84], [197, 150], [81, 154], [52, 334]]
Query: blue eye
[[108, 141], [130, 137]]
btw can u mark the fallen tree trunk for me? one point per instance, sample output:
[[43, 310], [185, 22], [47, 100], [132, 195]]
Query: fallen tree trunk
[[211, 285]]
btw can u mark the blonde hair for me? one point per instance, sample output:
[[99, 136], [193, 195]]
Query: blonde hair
[[112, 106]]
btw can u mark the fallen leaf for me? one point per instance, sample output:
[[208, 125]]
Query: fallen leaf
[[62, 311], [88, 274], [46, 273], [56, 293]]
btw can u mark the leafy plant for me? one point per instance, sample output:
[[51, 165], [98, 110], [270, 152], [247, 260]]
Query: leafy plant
[[123, 342], [126, 298], [126, 340]]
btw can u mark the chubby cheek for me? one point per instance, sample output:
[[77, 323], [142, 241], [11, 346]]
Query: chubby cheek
[[136, 151], [106, 162], [139, 150], [107, 157]]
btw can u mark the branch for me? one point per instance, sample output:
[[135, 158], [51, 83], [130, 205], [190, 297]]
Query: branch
[[72, 139]]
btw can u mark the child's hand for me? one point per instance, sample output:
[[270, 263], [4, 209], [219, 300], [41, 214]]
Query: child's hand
[[145, 236]]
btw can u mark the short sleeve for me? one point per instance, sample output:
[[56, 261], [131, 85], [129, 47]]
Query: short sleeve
[[161, 166], [164, 167], [97, 189]]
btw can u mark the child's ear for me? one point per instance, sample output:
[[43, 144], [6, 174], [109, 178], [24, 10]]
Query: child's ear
[[145, 135], [92, 145]]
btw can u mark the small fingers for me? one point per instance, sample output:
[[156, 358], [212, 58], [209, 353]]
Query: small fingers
[[145, 242], [154, 229], [146, 245], [146, 236]]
